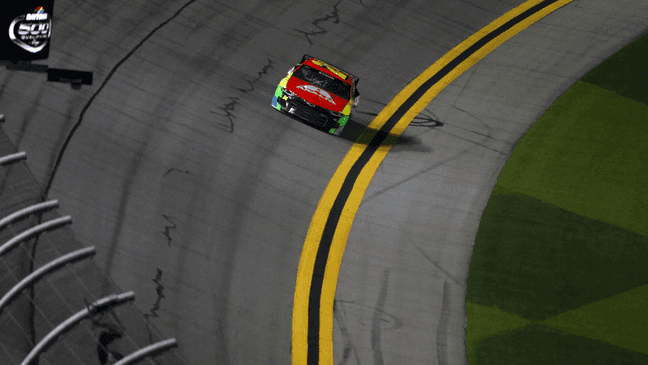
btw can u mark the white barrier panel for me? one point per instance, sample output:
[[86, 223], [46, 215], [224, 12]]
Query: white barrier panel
[[95, 307], [32, 231], [50, 266], [142, 353], [23, 212]]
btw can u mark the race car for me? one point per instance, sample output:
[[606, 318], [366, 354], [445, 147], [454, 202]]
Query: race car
[[317, 93]]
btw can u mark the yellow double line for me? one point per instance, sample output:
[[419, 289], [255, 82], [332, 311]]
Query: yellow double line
[[319, 265]]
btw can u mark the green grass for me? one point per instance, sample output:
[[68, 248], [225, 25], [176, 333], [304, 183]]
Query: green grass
[[484, 322], [624, 72], [587, 154], [620, 320], [538, 345], [563, 239], [537, 260]]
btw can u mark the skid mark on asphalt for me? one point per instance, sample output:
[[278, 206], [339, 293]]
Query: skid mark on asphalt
[[363, 4], [125, 193], [388, 320], [442, 329], [375, 321], [167, 228], [346, 336], [334, 15], [263, 72], [160, 293], [488, 135], [435, 263], [156, 306], [174, 169], [427, 119], [387, 188], [506, 153], [112, 72], [379, 320], [230, 107], [424, 119]]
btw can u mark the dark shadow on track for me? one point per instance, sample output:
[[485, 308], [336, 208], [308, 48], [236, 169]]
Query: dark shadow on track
[[356, 131]]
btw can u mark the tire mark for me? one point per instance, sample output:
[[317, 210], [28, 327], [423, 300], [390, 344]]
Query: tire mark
[[346, 335], [429, 122], [442, 329], [160, 293], [167, 229], [436, 264], [438, 164], [228, 108], [112, 72], [385, 317], [263, 72], [424, 119], [174, 169], [363, 4], [375, 321], [334, 15]]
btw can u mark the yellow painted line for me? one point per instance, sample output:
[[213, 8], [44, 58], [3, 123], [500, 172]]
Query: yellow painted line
[[337, 250], [314, 237], [309, 251]]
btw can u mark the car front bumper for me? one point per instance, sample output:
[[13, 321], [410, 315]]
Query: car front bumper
[[310, 114]]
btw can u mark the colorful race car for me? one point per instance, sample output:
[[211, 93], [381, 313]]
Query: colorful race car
[[317, 93]]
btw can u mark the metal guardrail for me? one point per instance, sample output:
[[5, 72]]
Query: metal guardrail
[[146, 351], [95, 307], [98, 306], [12, 157], [23, 212], [32, 231], [51, 266]]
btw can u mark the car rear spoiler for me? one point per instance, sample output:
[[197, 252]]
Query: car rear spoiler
[[307, 57]]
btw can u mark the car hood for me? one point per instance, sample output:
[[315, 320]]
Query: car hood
[[316, 95]]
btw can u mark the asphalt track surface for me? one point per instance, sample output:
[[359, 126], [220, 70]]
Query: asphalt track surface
[[198, 195]]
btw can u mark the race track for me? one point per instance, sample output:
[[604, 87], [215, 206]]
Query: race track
[[198, 195]]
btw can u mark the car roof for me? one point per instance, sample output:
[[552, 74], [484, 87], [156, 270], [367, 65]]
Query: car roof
[[328, 69]]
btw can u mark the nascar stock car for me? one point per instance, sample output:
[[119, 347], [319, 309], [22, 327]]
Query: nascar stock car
[[317, 93]]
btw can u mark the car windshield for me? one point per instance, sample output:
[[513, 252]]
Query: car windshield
[[323, 81]]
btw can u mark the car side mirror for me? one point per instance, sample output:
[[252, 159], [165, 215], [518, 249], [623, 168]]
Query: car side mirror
[[293, 69]]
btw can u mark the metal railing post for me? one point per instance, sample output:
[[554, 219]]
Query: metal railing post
[[51, 266], [32, 231], [95, 307]]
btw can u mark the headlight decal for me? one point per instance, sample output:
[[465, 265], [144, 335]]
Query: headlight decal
[[278, 92]]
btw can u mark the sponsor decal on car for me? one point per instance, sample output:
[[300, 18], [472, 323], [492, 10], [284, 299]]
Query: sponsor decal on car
[[32, 31], [317, 92]]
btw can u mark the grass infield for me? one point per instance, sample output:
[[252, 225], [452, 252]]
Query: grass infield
[[557, 274]]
